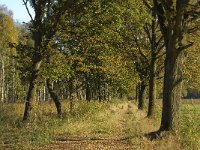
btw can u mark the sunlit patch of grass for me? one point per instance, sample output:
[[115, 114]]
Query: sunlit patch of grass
[[190, 126], [94, 119], [188, 137], [16, 134]]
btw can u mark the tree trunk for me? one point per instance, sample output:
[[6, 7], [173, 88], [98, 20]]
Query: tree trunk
[[6, 93], [152, 74], [72, 95], [142, 96], [38, 94], [99, 89], [32, 88], [137, 92], [2, 79], [55, 98], [67, 92], [173, 26], [172, 93], [88, 90], [44, 92], [13, 80], [152, 86]]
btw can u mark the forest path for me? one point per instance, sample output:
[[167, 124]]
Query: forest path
[[124, 116]]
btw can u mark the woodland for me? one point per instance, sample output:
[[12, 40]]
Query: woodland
[[101, 74]]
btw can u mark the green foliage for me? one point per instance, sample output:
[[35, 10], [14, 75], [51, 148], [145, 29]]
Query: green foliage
[[56, 68], [191, 73], [98, 43]]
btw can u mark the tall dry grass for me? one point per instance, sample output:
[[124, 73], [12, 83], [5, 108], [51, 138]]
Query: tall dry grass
[[119, 120]]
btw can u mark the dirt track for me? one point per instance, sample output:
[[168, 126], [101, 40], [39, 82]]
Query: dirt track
[[64, 142]]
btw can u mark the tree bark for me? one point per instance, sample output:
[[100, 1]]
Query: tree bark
[[88, 90], [99, 89], [32, 88], [13, 79], [137, 92], [72, 94], [2, 79], [172, 24], [55, 98], [44, 92], [142, 95], [152, 88], [152, 74], [36, 59], [171, 93], [152, 91]]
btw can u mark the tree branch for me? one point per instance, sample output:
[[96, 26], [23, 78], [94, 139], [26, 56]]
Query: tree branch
[[185, 47], [160, 55], [160, 48], [25, 3], [147, 4], [139, 48], [146, 29]]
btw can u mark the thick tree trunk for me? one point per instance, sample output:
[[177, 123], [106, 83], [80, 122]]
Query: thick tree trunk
[[38, 38], [55, 98], [172, 93], [152, 89], [172, 22], [32, 88], [36, 60], [152, 85], [142, 96]]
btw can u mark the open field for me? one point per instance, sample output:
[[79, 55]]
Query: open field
[[116, 125]]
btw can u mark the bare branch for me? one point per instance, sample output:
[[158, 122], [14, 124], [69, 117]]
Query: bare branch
[[140, 51], [185, 47], [147, 4], [160, 48], [160, 39], [194, 29], [159, 56], [25, 3], [147, 30]]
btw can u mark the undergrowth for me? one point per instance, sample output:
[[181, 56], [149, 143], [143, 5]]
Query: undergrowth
[[190, 126], [45, 125], [113, 119]]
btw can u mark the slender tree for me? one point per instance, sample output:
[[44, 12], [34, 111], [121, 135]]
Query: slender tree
[[43, 27], [9, 35], [155, 58]]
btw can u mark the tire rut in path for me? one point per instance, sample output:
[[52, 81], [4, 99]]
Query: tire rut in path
[[88, 144]]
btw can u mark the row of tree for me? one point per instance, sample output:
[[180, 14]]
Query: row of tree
[[99, 50]]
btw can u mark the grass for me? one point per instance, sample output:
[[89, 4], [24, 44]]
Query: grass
[[119, 120], [190, 125], [18, 135], [188, 137], [44, 124]]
